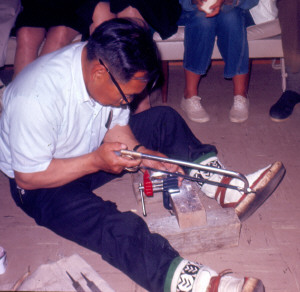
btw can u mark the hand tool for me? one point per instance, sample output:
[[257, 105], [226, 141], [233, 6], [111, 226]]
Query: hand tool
[[75, 284], [246, 189], [90, 284]]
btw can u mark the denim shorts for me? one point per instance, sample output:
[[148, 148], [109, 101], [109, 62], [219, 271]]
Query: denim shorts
[[200, 34]]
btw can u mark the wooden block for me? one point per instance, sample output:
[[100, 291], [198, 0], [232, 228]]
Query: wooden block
[[222, 230], [187, 206]]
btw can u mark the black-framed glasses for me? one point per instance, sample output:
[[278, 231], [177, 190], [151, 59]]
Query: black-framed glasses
[[149, 88], [115, 83]]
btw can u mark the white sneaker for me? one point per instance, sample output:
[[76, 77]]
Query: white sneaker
[[263, 182], [239, 111], [194, 277], [194, 110]]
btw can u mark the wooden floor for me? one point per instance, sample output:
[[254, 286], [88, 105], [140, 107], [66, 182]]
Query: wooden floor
[[269, 246]]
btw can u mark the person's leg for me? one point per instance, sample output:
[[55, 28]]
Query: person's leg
[[192, 81], [233, 45], [57, 37], [101, 13], [289, 18], [240, 84], [122, 239], [232, 42], [162, 129], [29, 40], [199, 40], [130, 12]]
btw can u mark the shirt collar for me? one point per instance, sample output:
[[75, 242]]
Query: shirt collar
[[80, 91]]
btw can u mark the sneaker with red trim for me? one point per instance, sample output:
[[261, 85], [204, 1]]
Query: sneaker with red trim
[[262, 183], [194, 277]]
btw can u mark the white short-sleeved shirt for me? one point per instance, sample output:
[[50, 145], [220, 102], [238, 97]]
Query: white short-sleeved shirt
[[49, 114]]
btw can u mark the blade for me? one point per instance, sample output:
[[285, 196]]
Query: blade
[[198, 179]]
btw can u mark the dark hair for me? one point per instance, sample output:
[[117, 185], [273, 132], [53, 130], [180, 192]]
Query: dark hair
[[126, 47]]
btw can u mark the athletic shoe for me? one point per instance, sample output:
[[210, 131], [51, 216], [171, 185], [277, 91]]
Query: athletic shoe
[[284, 107], [194, 110], [194, 277], [262, 184], [239, 111]]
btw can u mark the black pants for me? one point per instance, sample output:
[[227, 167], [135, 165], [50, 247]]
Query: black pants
[[122, 238]]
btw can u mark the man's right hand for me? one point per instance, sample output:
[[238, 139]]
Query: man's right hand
[[106, 158]]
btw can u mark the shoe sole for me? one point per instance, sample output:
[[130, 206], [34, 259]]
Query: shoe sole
[[279, 120], [285, 119], [233, 120], [262, 191], [238, 121], [195, 120]]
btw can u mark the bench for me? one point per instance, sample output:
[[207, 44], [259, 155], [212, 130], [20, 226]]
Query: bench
[[264, 42]]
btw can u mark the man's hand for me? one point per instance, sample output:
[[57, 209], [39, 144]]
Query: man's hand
[[106, 158], [160, 165]]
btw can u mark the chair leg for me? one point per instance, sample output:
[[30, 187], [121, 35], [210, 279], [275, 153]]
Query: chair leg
[[164, 88], [283, 74]]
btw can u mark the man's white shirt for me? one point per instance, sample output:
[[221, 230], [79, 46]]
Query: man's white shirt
[[48, 114]]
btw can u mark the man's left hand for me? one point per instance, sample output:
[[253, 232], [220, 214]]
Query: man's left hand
[[163, 166]]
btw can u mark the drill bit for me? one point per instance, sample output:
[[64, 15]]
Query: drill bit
[[75, 284], [90, 284]]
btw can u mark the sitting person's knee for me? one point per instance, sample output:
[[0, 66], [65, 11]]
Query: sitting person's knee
[[61, 35], [29, 37]]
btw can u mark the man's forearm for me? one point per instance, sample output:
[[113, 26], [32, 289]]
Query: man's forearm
[[58, 173], [63, 171]]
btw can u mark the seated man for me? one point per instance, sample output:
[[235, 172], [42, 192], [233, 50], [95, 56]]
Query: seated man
[[65, 116]]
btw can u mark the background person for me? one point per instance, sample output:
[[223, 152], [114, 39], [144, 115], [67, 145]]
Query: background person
[[289, 18], [201, 28], [53, 23]]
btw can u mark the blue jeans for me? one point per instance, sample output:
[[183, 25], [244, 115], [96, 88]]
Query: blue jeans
[[123, 239], [200, 33]]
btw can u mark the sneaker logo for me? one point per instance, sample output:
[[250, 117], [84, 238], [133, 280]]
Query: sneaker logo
[[187, 278], [205, 175], [185, 283]]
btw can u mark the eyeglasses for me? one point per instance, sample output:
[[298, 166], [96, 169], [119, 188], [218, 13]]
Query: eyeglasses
[[115, 83], [149, 88]]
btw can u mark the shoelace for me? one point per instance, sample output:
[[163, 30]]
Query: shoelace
[[196, 103], [239, 102]]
